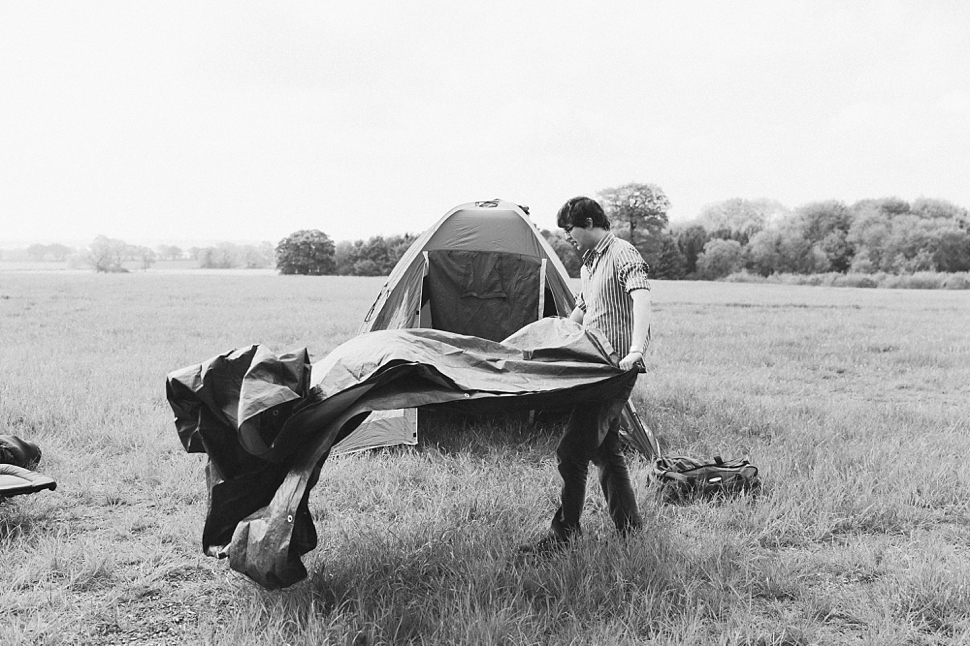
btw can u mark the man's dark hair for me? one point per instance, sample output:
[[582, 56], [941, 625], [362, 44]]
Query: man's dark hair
[[577, 210]]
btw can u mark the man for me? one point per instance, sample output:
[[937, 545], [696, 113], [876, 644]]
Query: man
[[615, 299]]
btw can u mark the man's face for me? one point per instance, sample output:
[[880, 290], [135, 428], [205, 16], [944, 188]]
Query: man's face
[[579, 237]]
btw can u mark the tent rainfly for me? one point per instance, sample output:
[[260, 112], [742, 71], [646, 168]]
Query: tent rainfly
[[482, 270]]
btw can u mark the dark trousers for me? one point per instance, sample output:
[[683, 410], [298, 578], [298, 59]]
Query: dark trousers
[[592, 435]]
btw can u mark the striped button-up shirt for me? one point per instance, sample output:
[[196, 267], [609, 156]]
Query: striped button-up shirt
[[610, 271]]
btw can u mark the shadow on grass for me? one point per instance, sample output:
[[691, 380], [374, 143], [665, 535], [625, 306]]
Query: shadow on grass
[[482, 435], [454, 433], [472, 587]]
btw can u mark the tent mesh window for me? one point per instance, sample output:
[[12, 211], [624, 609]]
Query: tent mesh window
[[485, 294]]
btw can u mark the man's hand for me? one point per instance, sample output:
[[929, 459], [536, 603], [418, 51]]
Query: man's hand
[[632, 360]]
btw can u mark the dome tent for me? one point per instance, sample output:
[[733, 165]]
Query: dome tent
[[482, 270]]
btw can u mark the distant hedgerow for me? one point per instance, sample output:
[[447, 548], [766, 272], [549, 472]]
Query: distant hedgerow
[[918, 280]]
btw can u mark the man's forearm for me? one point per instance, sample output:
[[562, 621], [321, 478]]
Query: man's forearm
[[641, 317]]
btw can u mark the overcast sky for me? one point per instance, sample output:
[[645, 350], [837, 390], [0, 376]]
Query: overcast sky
[[246, 121]]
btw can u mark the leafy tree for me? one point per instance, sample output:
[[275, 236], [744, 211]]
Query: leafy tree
[[813, 239], [948, 240], [869, 234], [764, 253], [224, 255], [267, 250], [740, 219], [372, 257], [638, 213], [343, 257], [719, 258], [930, 208], [307, 252], [905, 248], [892, 236], [169, 252], [37, 252], [376, 256], [368, 257], [671, 263], [386, 252], [368, 267], [950, 248], [107, 255], [636, 207], [784, 250], [132, 252], [257, 256], [837, 249], [59, 252], [927, 244], [888, 206], [691, 241], [398, 246], [146, 257], [826, 226], [888, 237]]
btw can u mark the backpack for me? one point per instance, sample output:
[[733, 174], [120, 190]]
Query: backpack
[[681, 477]]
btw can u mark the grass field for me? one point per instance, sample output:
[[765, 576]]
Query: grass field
[[854, 403]]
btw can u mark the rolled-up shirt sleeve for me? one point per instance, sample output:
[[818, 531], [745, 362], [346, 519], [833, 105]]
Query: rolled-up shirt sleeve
[[633, 273]]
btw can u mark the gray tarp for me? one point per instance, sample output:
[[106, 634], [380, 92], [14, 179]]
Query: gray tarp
[[267, 421]]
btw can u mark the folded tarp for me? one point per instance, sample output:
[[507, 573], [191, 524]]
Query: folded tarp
[[267, 421]]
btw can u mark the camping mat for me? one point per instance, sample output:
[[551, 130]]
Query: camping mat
[[15, 481], [267, 421]]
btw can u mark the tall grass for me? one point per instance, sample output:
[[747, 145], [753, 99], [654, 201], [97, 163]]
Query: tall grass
[[853, 402]]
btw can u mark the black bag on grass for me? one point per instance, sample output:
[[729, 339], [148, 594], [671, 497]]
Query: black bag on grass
[[683, 478], [18, 452]]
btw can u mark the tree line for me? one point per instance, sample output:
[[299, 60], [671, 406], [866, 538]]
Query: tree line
[[111, 255], [312, 252], [886, 235], [758, 237], [316, 255], [763, 237], [736, 236]]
